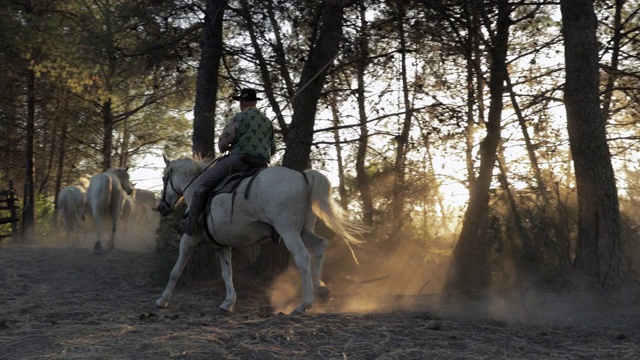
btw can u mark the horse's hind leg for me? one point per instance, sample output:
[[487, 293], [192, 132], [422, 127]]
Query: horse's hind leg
[[76, 236], [301, 256], [97, 248], [318, 245], [187, 244], [224, 254], [112, 237]]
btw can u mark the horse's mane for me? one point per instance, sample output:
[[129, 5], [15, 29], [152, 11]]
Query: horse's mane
[[188, 166], [117, 170], [83, 182]]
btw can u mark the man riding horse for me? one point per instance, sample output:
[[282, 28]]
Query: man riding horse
[[249, 138]]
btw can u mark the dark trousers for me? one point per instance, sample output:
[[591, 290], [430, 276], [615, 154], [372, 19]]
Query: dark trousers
[[225, 166]]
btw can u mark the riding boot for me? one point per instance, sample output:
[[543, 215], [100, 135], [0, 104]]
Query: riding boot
[[195, 210]]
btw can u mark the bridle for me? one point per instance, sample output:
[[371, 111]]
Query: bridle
[[167, 181]]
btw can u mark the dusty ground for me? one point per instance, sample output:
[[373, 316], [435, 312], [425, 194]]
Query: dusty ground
[[61, 303]]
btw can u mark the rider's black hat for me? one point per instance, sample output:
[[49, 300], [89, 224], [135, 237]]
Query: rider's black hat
[[247, 94]]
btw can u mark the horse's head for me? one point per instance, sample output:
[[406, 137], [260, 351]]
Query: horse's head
[[123, 176], [170, 194]]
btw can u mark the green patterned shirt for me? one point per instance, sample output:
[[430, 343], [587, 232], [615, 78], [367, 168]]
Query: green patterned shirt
[[251, 133]]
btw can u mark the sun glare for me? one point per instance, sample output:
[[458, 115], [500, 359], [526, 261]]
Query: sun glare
[[148, 173]]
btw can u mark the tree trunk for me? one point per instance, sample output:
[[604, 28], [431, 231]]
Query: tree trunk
[[363, 142], [207, 80], [342, 189], [615, 59], [469, 270], [59, 172], [265, 74], [475, 91], [29, 211], [275, 258], [49, 160], [599, 253], [123, 160], [107, 137], [397, 204], [211, 49], [525, 256], [321, 55]]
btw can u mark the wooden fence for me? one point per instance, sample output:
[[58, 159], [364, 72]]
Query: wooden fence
[[8, 202]]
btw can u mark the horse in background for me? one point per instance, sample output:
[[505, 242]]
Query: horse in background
[[145, 203], [128, 205], [72, 202], [138, 221], [127, 208], [105, 199], [137, 209]]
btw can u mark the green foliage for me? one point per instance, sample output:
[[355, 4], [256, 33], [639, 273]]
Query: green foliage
[[83, 54], [5, 229], [535, 249], [45, 227]]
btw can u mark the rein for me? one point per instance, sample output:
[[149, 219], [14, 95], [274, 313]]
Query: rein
[[181, 193]]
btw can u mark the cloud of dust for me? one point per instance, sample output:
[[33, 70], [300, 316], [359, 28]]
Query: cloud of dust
[[407, 277], [131, 236], [398, 278], [139, 236], [285, 291], [576, 301]]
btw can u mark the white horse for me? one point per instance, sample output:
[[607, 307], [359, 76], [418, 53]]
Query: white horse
[[279, 199], [127, 209], [144, 204], [72, 202], [104, 196], [137, 208]]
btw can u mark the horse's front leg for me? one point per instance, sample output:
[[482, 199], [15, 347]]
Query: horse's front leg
[[224, 254], [187, 244]]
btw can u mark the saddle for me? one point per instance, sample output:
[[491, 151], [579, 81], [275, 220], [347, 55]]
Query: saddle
[[232, 181], [229, 185]]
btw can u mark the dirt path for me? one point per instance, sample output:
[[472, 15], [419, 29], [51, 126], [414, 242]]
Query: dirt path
[[58, 303]]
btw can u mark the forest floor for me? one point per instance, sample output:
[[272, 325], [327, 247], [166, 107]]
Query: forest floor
[[65, 303]]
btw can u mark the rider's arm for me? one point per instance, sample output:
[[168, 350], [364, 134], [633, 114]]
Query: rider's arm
[[228, 135]]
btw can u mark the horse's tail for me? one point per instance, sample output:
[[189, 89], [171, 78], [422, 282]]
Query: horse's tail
[[71, 206], [99, 195], [65, 207], [78, 207], [330, 212]]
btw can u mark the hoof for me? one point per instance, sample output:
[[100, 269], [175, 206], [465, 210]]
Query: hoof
[[159, 305], [322, 294], [299, 311], [223, 312]]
